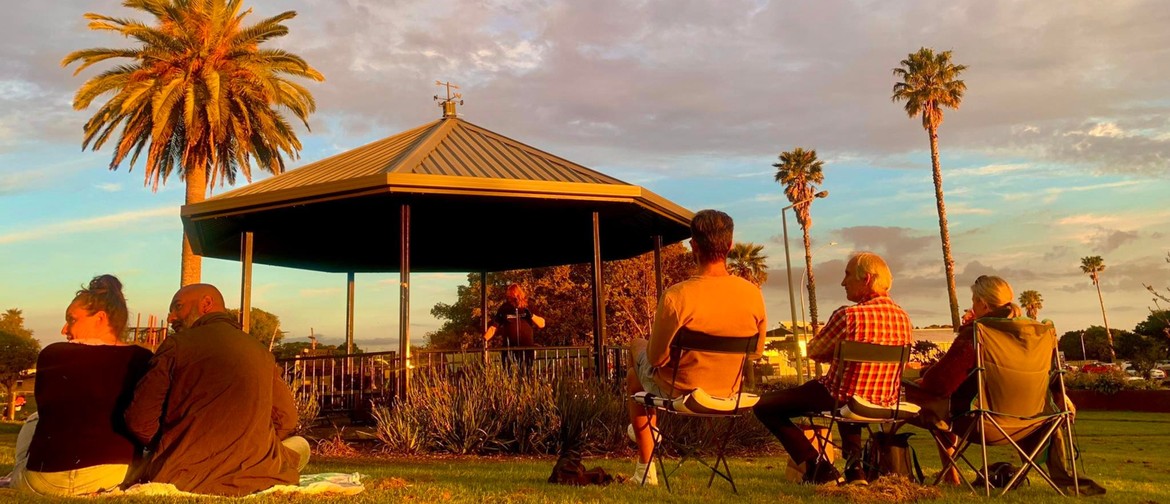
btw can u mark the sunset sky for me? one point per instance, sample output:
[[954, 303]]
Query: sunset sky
[[1061, 148]]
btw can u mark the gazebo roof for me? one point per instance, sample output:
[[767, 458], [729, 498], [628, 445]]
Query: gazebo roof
[[479, 201]]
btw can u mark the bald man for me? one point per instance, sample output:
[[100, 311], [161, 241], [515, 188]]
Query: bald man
[[213, 408]]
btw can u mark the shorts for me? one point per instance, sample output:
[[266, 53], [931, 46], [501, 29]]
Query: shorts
[[645, 373]]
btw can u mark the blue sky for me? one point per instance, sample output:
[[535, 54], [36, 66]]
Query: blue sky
[[1060, 150]]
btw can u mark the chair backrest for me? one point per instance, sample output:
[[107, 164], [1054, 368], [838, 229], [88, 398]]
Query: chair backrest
[[873, 353], [688, 341], [1015, 361]]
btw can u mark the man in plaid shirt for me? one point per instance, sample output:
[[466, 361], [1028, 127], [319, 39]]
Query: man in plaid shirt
[[874, 319]]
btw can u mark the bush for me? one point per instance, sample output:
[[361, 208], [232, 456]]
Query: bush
[[1107, 383], [484, 410]]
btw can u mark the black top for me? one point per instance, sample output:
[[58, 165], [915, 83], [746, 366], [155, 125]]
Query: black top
[[81, 392], [515, 325]]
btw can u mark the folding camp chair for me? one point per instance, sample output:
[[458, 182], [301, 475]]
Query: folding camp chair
[[858, 410], [1020, 400], [699, 404]]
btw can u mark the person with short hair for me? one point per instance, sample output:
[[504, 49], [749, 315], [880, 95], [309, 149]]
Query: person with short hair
[[516, 323], [76, 443], [213, 406], [875, 318], [712, 301]]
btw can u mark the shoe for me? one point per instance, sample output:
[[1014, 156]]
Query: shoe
[[855, 477], [821, 472], [644, 474]]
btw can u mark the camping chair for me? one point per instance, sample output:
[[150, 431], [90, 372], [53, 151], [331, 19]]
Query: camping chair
[[699, 404], [858, 410], [1020, 397]]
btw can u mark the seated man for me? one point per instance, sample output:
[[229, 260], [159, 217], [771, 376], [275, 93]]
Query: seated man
[[213, 407], [712, 302], [874, 319]]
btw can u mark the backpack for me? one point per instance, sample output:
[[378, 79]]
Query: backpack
[[887, 453], [570, 471], [1001, 473]]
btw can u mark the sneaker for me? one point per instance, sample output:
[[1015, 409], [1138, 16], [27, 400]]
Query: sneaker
[[821, 472], [855, 477], [644, 474]]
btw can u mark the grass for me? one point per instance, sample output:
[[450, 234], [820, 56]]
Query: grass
[[1126, 452]]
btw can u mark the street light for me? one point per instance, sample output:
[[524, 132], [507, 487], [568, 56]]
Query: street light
[[788, 265]]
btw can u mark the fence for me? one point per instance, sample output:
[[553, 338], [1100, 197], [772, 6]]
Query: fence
[[352, 383]]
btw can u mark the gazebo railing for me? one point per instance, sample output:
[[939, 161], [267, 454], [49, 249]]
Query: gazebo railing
[[351, 383]]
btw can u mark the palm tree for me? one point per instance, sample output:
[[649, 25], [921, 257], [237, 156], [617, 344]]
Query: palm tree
[[800, 172], [1032, 302], [1093, 266], [930, 82], [199, 90], [746, 261]]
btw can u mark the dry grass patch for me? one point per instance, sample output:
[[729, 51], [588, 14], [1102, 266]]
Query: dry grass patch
[[887, 489]]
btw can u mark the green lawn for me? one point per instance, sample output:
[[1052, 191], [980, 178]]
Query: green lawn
[[1128, 453]]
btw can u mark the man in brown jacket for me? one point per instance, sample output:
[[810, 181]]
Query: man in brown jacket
[[212, 406]]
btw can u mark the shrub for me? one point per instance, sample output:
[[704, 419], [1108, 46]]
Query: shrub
[[1107, 383]]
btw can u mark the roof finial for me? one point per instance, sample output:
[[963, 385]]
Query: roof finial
[[448, 105]]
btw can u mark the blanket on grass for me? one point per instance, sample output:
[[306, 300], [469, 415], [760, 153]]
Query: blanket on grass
[[310, 484]]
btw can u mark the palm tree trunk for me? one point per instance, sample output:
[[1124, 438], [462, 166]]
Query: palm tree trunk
[[944, 233], [191, 266], [1108, 335], [812, 286]]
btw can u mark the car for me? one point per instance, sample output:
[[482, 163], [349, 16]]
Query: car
[[1099, 367], [1157, 374]]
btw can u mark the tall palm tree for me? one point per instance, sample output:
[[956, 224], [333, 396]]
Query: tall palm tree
[[800, 172], [1032, 302], [746, 261], [930, 82], [198, 89], [1093, 266]]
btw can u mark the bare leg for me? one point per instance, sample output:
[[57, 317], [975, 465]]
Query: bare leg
[[946, 450], [640, 416]]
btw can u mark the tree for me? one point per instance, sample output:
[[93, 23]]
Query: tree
[[1142, 351], [12, 320], [1159, 319], [1093, 266], [1096, 345], [746, 261], [200, 91], [800, 172], [1032, 302], [929, 83], [265, 326], [562, 295], [17, 353], [926, 353]]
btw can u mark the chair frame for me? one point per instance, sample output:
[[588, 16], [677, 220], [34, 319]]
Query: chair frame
[[686, 340], [861, 352], [983, 415]]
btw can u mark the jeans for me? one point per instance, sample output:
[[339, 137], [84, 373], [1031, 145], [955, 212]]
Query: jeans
[[776, 409]]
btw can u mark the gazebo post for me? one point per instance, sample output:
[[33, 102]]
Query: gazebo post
[[349, 281], [658, 267], [246, 281], [404, 303], [598, 303], [483, 310]]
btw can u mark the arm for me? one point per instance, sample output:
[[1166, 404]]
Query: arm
[[762, 330], [823, 344], [487, 336], [666, 325], [538, 321], [944, 378], [284, 408], [144, 414]]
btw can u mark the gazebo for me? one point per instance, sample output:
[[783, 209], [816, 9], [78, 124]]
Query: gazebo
[[448, 196]]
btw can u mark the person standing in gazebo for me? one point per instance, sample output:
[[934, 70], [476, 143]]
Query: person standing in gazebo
[[517, 324]]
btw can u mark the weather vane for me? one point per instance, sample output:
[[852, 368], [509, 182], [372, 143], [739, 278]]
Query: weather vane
[[448, 104]]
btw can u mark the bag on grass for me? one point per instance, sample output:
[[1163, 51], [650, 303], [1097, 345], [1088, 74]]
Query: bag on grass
[[1001, 473], [886, 453], [570, 471]]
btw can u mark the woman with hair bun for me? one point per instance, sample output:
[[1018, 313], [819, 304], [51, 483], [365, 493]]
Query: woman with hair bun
[[79, 444]]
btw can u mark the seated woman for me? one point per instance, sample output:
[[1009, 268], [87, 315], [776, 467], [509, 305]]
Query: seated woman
[[79, 443], [947, 388]]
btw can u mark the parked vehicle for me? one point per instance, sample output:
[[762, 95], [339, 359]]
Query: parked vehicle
[[1099, 367], [1157, 374]]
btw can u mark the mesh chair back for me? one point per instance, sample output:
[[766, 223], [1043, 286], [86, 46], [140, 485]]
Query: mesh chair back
[[687, 345]]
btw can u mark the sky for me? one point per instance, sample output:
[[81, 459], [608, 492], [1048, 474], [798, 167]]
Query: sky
[[1060, 150]]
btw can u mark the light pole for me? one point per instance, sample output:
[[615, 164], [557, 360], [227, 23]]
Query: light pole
[[791, 294]]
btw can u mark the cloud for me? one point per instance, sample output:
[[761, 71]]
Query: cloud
[[109, 187], [1108, 241], [21, 181], [91, 224]]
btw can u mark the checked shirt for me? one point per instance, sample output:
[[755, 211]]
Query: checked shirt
[[876, 320]]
